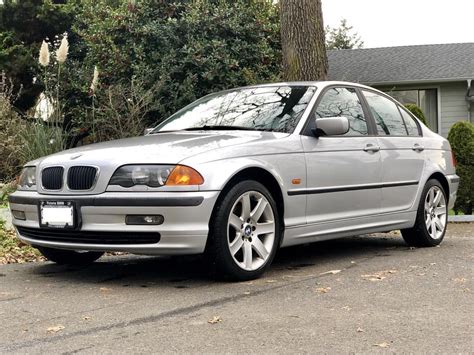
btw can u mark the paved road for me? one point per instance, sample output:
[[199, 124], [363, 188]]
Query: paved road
[[385, 293]]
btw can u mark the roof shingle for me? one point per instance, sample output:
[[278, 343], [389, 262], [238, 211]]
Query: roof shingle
[[394, 65]]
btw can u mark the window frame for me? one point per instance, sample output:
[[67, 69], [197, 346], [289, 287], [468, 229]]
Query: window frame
[[398, 105], [415, 119], [371, 129]]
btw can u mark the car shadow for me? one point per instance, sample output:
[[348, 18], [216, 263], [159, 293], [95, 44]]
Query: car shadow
[[192, 271]]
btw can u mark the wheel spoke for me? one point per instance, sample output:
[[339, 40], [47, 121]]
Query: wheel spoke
[[428, 221], [258, 210], [236, 245], [260, 248], [438, 224], [235, 222], [433, 228], [431, 197], [437, 198], [265, 228], [246, 206], [247, 256], [440, 211]]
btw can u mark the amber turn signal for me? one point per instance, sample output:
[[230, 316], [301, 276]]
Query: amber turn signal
[[184, 175]]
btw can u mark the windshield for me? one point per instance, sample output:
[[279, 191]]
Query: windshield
[[270, 108]]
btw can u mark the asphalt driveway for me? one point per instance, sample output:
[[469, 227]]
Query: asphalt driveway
[[359, 294]]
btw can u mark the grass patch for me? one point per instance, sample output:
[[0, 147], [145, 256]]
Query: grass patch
[[451, 213], [13, 251]]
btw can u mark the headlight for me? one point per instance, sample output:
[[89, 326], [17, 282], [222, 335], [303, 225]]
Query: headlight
[[155, 175], [27, 178]]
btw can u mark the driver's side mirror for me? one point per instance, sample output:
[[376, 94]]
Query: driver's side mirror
[[148, 130], [331, 126]]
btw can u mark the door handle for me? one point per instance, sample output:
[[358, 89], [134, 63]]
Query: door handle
[[418, 147], [371, 148]]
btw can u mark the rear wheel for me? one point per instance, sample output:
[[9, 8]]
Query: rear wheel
[[245, 232], [431, 218], [70, 257]]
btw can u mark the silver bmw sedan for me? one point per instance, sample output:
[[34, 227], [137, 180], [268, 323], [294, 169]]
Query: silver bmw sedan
[[240, 173]]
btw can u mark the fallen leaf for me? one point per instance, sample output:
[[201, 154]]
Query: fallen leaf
[[347, 308], [383, 345], [86, 318], [270, 281], [55, 329], [214, 320], [459, 280], [377, 276], [104, 289], [323, 289], [247, 293], [360, 330], [432, 264], [333, 272]]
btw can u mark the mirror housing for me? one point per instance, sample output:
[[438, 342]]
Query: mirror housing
[[147, 130], [331, 126]]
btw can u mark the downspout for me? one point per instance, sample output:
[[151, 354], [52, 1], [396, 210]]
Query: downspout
[[469, 98]]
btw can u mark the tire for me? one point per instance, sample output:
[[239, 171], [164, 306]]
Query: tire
[[70, 257], [431, 218], [243, 248]]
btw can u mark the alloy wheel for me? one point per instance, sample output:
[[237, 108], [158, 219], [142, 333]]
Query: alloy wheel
[[251, 230], [435, 212]]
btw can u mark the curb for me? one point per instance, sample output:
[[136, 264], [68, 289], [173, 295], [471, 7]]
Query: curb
[[461, 218]]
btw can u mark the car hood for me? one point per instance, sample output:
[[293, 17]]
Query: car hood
[[164, 148]]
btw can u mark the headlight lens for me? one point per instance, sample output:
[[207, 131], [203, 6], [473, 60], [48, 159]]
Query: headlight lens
[[27, 178], [155, 175]]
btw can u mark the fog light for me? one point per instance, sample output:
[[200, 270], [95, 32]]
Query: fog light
[[19, 215], [144, 219]]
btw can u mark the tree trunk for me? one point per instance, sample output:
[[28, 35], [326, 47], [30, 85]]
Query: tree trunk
[[302, 39]]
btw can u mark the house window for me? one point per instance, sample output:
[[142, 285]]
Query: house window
[[426, 99]]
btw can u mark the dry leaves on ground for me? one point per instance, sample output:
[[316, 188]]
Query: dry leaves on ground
[[383, 345], [55, 329], [377, 276], [323, 289], [214, 320], [330, 272]]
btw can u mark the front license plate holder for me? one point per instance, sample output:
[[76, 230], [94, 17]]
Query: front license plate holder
[[57, 214]]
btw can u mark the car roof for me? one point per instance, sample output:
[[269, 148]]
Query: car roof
[[320, 84]]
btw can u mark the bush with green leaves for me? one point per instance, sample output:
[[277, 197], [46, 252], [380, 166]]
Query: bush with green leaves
[[414, 109], [461, 138]]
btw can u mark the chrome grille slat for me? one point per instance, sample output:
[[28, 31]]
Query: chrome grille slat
[[52, 178], [81, 177]]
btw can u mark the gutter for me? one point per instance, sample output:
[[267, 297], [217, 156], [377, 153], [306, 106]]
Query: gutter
[[469, 98]]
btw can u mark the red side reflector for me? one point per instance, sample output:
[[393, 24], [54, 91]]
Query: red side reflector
[[453, 156]]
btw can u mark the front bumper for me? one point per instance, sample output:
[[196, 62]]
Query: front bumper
[[184, 230]]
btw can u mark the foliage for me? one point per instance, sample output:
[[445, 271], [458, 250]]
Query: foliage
[[189, 48], [414, 109], [461, 138], [12, 250], [11, 123], [23, 26], [342, 37], [5, 191]]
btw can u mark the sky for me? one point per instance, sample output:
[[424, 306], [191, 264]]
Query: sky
[[386, 23]]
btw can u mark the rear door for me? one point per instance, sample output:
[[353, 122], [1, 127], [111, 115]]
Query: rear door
[[343, 172], [401, 149]]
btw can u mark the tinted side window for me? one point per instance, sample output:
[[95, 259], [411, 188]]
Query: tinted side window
[[386, 115], [412, 127], [338, 102]]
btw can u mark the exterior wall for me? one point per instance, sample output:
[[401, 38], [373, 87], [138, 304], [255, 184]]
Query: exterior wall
[[452, 104]]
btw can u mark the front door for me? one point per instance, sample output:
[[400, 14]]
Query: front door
[[343, 172]]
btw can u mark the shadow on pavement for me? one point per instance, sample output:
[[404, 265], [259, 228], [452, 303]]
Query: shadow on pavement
[[190, 271]]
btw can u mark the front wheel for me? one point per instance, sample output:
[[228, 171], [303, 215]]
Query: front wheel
[[244, 232], [431, 218], [70, 257]]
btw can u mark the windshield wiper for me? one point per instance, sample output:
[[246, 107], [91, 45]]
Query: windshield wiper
[[220, 128]]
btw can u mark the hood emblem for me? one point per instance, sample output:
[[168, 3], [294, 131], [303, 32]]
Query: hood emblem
[[75, 156]]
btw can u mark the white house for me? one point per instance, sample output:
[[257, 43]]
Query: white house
[[438, 78]]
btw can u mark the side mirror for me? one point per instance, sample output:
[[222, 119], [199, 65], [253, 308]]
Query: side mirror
[[332, 126], [148, 130]]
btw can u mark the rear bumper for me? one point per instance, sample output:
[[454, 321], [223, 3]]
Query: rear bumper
[[453, 181], [184, 230]]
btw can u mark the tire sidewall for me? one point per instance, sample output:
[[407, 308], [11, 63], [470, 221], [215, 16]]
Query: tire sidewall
[[219, 232]]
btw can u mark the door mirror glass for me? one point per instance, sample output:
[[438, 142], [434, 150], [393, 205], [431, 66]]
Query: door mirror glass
[[332, 126]]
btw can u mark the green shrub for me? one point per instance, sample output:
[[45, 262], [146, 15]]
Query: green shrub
[[414, 109], [461, 138]]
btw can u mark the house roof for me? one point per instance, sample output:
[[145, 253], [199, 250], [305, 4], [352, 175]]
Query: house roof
[[406, 64]]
